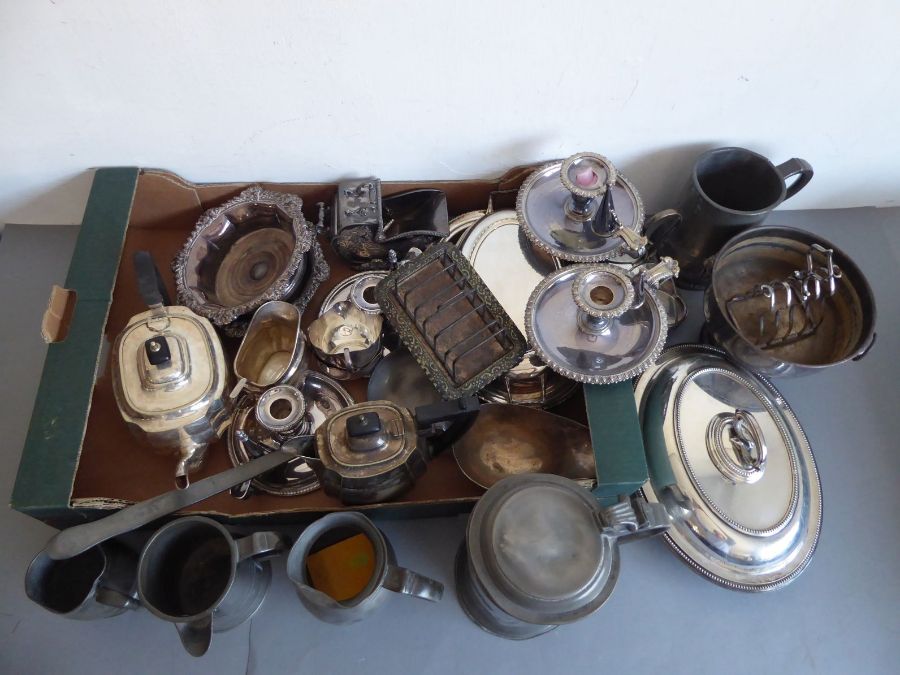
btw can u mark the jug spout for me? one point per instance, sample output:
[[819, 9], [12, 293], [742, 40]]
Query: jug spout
[[196, 635], [317, 598]]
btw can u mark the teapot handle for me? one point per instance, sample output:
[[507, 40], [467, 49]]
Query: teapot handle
[[150, 282], [402, 580], [261, 546]]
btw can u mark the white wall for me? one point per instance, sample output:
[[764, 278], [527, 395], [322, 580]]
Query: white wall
[[320, 89]]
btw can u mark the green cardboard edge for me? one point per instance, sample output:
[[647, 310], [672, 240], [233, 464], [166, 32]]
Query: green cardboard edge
[[47, 468], [616, 439]]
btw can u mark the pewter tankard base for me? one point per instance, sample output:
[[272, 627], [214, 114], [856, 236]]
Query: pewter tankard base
[[482, 611]]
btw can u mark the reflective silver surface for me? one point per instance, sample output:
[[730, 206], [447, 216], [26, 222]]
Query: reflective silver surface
[[615, 351], [460, 226], [731, 464], [507, 440], [323, 397], [511, 268], [846, 320], [542, 212], [245, 252], [180, 405], [347, 339], [399, 378], [354, 288], [273, 350]]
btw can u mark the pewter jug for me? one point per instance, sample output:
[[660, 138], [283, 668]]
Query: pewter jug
[[98, 583], [193, 573], [336, 527]]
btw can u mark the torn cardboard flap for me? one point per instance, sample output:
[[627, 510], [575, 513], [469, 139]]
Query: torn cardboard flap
[[58, 315]]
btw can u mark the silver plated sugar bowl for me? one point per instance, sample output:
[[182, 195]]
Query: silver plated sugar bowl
[[170, 376], [599, 324]]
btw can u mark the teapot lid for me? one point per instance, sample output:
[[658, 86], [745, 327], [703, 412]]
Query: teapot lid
[[536, 543], [169, 362], [732, 466]]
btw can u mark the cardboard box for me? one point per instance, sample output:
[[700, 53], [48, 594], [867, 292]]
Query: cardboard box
[[80, 461]]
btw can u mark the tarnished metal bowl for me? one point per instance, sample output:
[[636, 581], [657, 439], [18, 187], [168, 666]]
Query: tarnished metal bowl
[[243, 253], [749, 316]]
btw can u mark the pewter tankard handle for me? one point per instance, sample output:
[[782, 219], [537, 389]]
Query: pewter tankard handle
[[795, 167]]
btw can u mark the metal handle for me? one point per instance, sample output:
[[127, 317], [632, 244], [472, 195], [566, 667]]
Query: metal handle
[[655, 227], [150, 282], [261, 546], [78, 539], [665, 269], [635, 243], [795, 167], [631, 519], [402, 580], [865, 350], [745, 460]]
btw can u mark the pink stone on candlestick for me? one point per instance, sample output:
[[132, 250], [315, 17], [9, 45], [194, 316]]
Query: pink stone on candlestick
[[586, 177]]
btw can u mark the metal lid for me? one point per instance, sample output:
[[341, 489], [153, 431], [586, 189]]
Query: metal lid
[[544, 208], [169, 390], [732, 466], [385, 444], [356, 289], [576, 323], [536, 542]]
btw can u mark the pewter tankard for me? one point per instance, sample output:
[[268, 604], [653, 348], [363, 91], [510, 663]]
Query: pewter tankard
[[729, 190]]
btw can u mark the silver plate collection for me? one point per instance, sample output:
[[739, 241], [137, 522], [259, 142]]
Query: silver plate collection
[[476, 330]]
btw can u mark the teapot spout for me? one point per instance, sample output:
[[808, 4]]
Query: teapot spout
[[189, 460]]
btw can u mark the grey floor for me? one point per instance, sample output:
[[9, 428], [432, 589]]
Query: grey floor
[[841, 616]]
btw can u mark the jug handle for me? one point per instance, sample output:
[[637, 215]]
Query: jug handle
[[196, 635], [402, 580], [795, 167], [261, 546], [113, 598], [658, 223]]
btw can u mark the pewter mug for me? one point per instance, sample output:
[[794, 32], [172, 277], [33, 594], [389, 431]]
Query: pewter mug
[[729, 190], [193, 573], [96, 584], [386, 576]]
